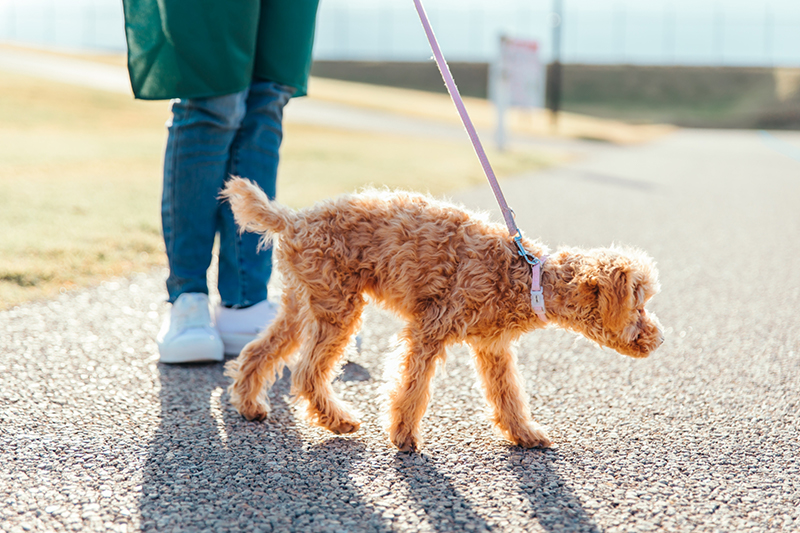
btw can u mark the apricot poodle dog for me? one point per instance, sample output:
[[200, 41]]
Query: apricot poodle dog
[[451, 275]]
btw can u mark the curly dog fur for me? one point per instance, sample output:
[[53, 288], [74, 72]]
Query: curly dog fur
[[451, 275]]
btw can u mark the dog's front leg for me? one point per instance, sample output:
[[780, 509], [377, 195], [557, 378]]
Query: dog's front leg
[[409, 400], [496, 365]]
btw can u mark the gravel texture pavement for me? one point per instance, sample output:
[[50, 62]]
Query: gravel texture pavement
[[703, 435]]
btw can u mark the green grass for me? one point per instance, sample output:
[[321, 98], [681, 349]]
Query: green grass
[[80, 180]]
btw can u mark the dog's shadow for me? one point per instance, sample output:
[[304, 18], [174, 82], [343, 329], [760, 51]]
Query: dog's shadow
[[209, 469], [551, 503], [446, 509], [556, 506]]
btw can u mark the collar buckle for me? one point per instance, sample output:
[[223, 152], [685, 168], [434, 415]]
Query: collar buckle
[[537, 291], [526, 255]]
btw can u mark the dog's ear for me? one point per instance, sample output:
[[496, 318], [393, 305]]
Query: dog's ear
[[614, 296]]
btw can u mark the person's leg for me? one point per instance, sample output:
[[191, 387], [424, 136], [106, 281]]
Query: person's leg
[[244, 270], [200, 135], [201, 132]]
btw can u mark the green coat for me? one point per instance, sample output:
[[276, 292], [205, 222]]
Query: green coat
[[201, 48]]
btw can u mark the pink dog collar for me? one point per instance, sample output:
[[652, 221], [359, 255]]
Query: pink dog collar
[[537, 293]]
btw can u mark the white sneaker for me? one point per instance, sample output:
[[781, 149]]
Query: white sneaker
[[237, 327], [188, 335]]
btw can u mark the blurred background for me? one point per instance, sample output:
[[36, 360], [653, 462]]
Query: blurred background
[[762, 33], [701, 63]]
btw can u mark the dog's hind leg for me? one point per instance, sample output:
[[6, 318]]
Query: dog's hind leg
[[409, 400], [329, 333], [496, 365], [256, 368]]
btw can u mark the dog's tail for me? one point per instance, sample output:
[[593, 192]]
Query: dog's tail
[[253, 210]]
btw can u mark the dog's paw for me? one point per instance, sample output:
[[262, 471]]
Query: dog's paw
[[532, 436], [339, 422], [253, 411], [345, 426], [404, 440]]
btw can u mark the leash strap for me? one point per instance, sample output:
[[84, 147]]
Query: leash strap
[[508, 214], [537, 298]]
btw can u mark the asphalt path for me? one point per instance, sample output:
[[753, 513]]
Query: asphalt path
[[95, 434]]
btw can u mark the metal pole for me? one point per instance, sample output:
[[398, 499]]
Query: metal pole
[[719, 33], [51, 23], [498, 86], [620, 23], [669, 29], [90, 26], [388, 24], [12, 21], [769, 55], [555, 77], [342, 32]]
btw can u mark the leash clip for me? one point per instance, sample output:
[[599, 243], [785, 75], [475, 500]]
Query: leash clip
[[526, 255]]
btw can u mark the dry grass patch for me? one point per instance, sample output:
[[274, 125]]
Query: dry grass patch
[[318, 162], [80, 180], [79, 186]]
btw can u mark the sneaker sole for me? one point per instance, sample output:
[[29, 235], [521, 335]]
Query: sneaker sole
[[194, 358], [191, 355], [234, 343]]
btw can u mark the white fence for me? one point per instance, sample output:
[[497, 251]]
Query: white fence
[[75, 24], [653, 32]]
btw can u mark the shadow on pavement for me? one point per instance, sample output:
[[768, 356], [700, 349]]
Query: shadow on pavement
[[209, 469], [555, 505], [551, 503], [445, 508]]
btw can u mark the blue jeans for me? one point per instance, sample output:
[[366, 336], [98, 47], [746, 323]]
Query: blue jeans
[[211, 139]]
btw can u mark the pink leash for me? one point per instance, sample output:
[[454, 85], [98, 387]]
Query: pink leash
[[537, 298]]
